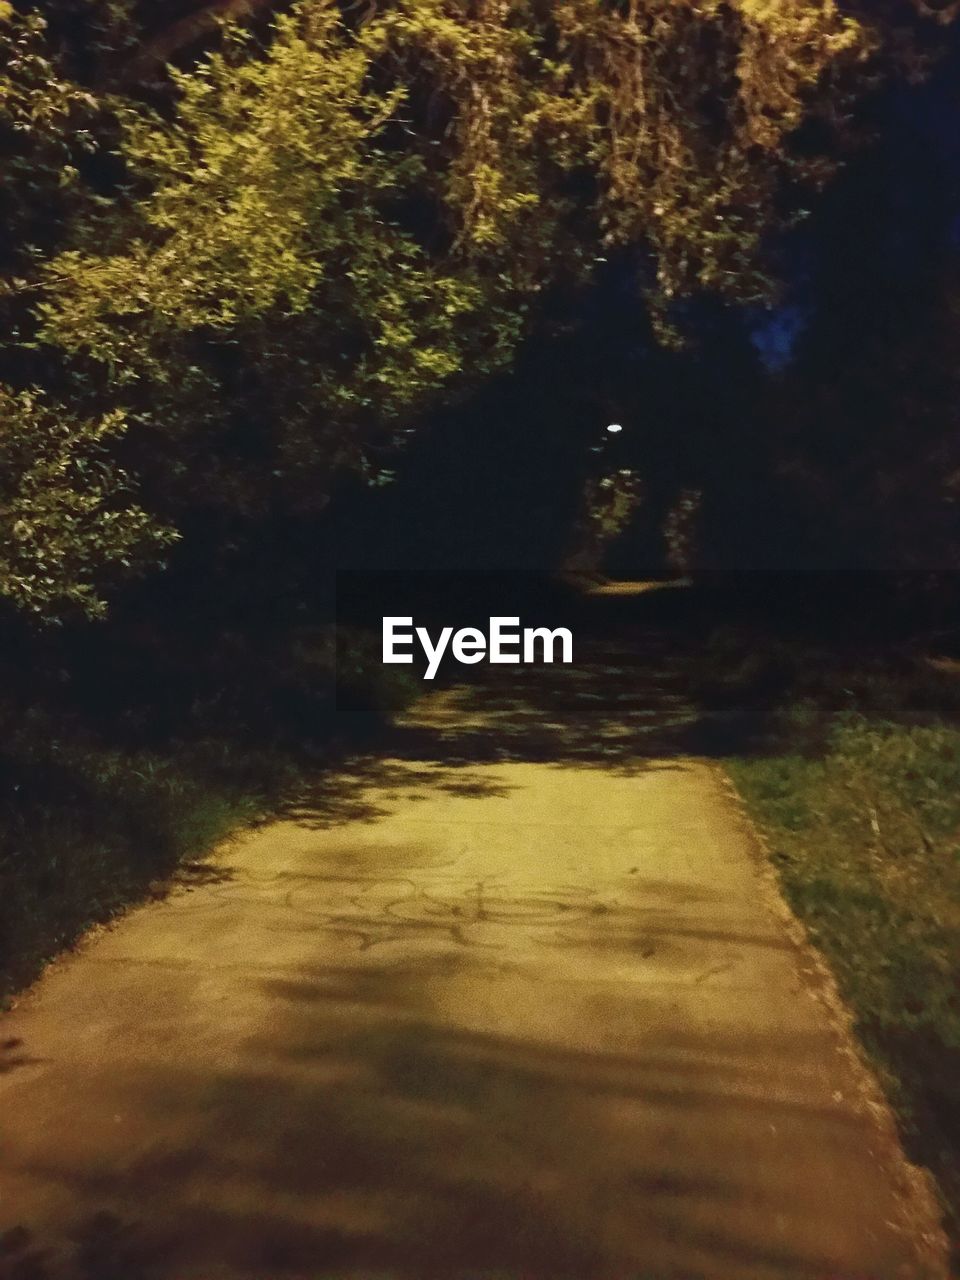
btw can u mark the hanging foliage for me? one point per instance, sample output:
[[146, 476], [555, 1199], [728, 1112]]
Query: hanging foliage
[[338, 216]]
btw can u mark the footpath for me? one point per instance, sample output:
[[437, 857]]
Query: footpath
[[515, 999]]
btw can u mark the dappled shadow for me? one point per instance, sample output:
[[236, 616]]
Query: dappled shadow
[[619, 707], [13, 1056], [362, 787], [617, 704], [193, 874], [367, 1132], [452, 1084]]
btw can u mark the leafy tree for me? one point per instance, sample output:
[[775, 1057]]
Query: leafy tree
[[264, 315], [68, 517], [336, 219], [66, 511]]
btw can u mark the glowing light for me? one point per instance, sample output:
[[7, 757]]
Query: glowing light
[[614, 427]]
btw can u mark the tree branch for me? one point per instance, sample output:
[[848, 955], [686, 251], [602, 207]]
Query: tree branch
[[163, 46]]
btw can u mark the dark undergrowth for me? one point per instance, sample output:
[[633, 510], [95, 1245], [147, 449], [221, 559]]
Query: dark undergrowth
[[848, 757], [121, 766]]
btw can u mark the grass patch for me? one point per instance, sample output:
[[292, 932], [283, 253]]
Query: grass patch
[[852, 768], [101, 799], [88, 829]]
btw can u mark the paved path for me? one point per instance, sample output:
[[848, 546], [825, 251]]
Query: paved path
[[515, 1003]]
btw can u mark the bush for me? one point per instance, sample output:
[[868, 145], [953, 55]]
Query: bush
[[367, 692]]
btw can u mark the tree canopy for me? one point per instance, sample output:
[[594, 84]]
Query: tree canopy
[[228, 284]]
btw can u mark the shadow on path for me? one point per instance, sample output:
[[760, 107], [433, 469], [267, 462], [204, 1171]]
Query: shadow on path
[[618, 708], [460, 1077]]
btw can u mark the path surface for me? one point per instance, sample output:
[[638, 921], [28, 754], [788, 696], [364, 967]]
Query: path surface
[[515, 1003]]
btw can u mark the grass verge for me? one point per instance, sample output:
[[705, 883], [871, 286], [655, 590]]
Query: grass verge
[[851, 765], [96, 811], [88, 830]]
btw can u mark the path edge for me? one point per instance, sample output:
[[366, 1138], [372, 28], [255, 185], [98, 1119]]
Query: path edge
[[921, 1205]]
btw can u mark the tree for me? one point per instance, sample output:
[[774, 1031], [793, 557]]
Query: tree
[[861, 427], [334, 222]]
